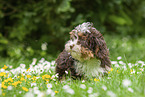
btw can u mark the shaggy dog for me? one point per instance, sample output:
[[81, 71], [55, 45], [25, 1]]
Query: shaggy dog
[[85, 54]]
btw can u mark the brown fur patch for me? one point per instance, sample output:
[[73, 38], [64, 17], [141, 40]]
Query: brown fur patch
[[86, 53]]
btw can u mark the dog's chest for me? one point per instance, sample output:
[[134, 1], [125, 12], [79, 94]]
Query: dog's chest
[[89, 68]]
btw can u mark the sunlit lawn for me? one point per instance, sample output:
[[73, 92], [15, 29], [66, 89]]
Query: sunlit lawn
[[36, 77]]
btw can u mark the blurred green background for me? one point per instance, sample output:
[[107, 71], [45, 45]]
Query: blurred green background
[[40, 28]]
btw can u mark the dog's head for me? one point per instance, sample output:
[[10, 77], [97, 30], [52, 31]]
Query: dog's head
[[79, 45]]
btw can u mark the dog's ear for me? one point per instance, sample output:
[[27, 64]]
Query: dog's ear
[[96, 43]]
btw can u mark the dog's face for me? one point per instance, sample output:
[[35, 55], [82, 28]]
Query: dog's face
[[74, 48], [77, 46]]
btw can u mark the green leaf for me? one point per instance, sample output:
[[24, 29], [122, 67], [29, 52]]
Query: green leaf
[[65, 6], [4, 41], [127, 18], [117, 19]]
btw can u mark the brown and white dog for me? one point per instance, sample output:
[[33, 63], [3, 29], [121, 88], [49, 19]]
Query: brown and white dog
[[85, 54]]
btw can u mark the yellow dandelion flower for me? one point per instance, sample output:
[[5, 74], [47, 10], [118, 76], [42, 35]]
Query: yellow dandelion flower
[[34, 82], [2, 74], [16, 83], [3, 94], [5, 67], [96, 80], [22, 75], [48, 76], [111, 69], [34, 78], [108, 72], [131, 70], [18, 76], [6, 80], [22, 79], [10, 79], [19, 82], [24, 88], [117, 71], [47, 80], [28, 69], [4, 86], [56, 91], [28, 76]]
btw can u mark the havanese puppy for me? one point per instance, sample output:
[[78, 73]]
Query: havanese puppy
[[85, 54]]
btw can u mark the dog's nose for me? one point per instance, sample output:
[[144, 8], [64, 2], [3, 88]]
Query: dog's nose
[[71, 46]]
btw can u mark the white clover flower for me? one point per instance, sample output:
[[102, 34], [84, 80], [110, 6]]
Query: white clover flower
[[35, 88], [2, 70], [131, 90], [119, 58], [53, 94], [70, 91], [142, 65], [34, 61], [90, 90], [121, 62], [66, 72], [52, 63], [53, 68], [104, 87], [33, 84], [9, 87], [130, 65], [117, 65], [22, 65], [29, 94], [42, 60], [36, 91], [83, 81], [141, 62], [65, 87], [111, 94], [94, 95], [20, 92], [124, 67], [142, 69], [82, 86], [133, 71], [113, 62], [49, 86], [49, 91], [44, 46], [10, 66], [126, 83]]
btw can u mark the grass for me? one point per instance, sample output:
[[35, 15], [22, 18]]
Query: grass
[[29, 77]]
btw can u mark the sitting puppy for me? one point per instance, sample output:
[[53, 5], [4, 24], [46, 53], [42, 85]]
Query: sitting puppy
[[85, 54]]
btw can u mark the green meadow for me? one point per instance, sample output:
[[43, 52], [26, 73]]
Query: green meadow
[[36, 76]]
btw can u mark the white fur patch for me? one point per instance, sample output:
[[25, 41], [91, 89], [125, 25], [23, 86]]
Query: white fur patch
[[75, 51], [84, 28], [90, 68]]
